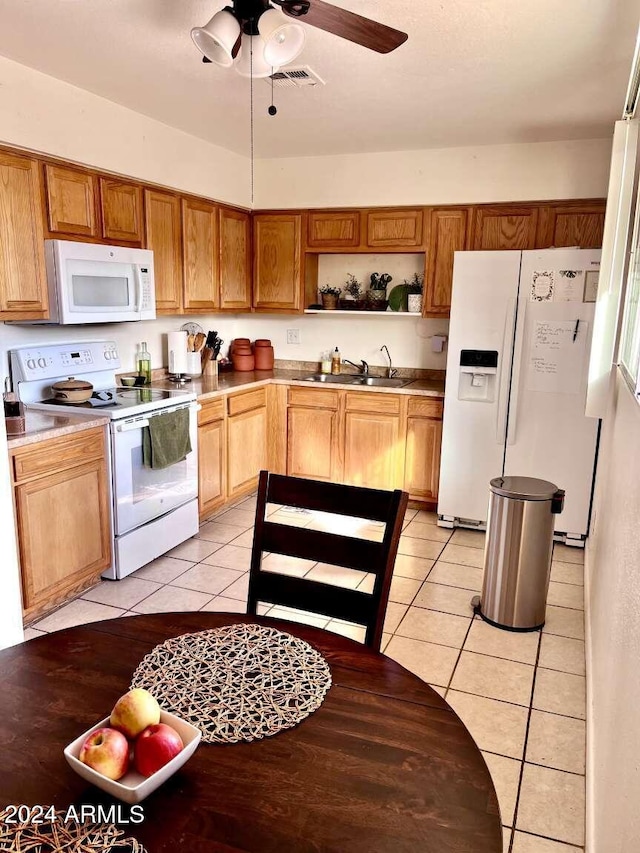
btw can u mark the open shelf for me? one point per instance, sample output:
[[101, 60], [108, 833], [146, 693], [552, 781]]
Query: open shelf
[[332, 311]]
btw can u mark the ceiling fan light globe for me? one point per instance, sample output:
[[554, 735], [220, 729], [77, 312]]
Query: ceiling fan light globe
[[284, 40], [256, 67], [216, 39]]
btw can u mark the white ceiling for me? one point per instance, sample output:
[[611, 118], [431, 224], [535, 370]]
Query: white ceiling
[[473, 72]]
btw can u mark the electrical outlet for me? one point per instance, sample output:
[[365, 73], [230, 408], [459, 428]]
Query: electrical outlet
[[293, 336]]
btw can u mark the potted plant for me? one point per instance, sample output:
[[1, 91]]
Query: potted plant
[[414, 293], [376, 295], [329, 296], [351, 298]]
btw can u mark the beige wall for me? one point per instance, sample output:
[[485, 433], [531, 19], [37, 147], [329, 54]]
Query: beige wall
[[546, 170], [53, 117], [613, 634]]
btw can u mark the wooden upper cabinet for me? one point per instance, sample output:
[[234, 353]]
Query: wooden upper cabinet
[[23, 283], [235, 259], [448, 233], [395, 228], [579, 224], [121, 211], [277, 262], [71, 202], [200, 247], [163, 235], [333, 229], [505, 227]]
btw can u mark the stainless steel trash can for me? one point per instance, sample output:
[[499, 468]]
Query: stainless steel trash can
[[517, 554]]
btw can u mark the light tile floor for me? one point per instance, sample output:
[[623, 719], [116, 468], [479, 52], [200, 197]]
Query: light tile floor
[[522, 696]]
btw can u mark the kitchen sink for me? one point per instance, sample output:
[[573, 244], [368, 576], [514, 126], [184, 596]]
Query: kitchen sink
[[356, 379]]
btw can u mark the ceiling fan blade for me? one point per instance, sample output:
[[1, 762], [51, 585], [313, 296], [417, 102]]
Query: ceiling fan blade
[[236, 48], [345, 24]]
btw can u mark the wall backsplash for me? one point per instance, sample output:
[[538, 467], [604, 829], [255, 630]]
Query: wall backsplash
[[358, 337]]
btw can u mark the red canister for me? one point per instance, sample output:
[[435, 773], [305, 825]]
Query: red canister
[[241, 356], [264, 354]]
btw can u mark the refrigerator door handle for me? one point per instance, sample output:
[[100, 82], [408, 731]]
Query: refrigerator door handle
[[505, 372], [516, 369]]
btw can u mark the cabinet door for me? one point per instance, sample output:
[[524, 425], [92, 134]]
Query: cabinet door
[[395, 228], [200, 239], [422, 458], [235, 260], [580, 224], [371, 450], [505, 227], [63, 533], [23, 284], [277, 270], [330, 229], [121, 211], [71, 201], [246, 450], [448, 233], [163, 235], [211, 467], [312, 443]]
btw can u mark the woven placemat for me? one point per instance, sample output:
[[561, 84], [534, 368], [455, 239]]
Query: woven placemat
[[236, 683], [63, 836]]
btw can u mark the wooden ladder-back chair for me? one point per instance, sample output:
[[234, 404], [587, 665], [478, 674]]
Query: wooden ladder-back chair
[[377, 558]]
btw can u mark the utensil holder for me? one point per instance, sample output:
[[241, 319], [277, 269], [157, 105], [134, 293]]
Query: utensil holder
[[194, 364]]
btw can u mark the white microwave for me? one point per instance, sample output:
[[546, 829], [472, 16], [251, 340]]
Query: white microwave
[[92, 283]]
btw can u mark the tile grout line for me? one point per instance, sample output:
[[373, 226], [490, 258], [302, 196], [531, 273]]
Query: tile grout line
[[524, 747]]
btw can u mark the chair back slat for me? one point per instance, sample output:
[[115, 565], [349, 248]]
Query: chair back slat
[[323, 547], [354, 501], [326, 599], [377, 558]]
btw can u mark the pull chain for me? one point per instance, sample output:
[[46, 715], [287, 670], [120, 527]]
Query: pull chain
[[251, 103]]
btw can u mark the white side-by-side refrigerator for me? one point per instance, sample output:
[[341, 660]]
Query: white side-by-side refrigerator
[[519, 341]]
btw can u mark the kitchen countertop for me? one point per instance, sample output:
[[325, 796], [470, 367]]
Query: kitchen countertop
[[40, 426], [228, 381]]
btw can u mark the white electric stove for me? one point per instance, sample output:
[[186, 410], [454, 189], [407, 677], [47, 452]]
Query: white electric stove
[[153, 509]]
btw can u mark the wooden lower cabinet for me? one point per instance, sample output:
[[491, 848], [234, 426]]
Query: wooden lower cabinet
[[422, 458], [312, 443], [371, 450], [246, 447], [212, 458], [62, 516]]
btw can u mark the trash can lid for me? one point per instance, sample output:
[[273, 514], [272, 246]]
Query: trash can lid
[[523, 488]]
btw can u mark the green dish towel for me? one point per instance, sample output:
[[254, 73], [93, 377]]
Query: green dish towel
[[166, 440]]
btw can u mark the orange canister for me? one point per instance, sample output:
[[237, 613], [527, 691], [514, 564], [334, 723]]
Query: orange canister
[[263, 352]]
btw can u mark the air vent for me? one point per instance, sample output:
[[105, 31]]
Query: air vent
[[295, 78]]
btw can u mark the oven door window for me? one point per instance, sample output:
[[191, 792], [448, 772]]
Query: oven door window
[[142, 494]]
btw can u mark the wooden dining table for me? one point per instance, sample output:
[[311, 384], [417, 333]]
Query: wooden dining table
[[383, 765]]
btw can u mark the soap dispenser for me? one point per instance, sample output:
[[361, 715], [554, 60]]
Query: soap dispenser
[[335, 361]]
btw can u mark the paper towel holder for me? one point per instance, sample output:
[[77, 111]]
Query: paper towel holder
[[177, 346]]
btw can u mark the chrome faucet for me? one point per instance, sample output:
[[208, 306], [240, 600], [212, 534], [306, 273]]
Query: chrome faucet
[[391, 371], [363, 367]]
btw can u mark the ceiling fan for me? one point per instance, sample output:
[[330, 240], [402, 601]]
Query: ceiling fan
[[257, 38]]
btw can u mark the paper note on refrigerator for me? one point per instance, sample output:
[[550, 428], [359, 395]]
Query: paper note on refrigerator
[[556, 356]]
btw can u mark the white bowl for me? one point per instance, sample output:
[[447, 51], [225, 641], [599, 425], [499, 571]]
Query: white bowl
[[134, 787]]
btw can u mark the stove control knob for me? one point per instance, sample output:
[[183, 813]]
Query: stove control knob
[[31, 363], [42, 362], [107, 354]]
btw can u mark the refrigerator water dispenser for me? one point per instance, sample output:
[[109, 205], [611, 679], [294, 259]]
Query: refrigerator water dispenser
[[478, 374]]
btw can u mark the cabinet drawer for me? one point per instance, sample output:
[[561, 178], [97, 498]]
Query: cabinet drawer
[[212, 410], [247, 401], [313, 397], [423, 407], [384, 404], [58, 454]]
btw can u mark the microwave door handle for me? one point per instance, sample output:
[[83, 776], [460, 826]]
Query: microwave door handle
[[129, 427], [138, 284]]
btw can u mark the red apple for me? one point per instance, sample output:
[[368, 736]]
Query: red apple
[[155, 747], [134, 711], [107, 752]]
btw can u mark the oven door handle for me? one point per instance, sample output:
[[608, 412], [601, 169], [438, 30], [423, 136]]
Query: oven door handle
[[129, 427]]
